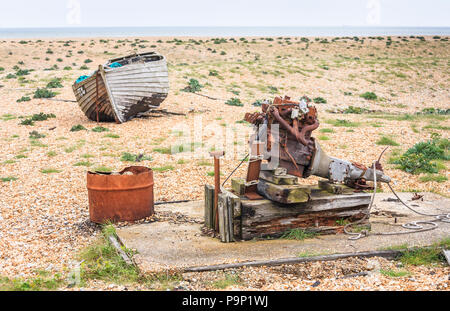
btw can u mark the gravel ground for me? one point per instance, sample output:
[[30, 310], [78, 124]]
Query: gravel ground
[[352, 274], [44, 219]]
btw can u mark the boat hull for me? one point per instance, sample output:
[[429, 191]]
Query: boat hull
[[122, 93]]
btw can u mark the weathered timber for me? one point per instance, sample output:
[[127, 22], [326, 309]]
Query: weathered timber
[[284, 193], [335, 188], [222, 207], [278, 179], [209, 206], [262, 218], [234, 216], [238, 185], [228, 204]]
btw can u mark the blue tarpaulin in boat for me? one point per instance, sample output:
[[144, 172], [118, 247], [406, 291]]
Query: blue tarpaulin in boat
[[82, 78], [115, 65]]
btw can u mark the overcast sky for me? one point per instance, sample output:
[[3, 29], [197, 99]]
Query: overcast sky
[[106, 13]]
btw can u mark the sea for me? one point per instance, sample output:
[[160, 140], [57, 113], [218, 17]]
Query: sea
[[106, 32]]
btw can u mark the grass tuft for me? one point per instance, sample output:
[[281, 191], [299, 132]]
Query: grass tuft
[[129, 157], [50, 171], [386, 141], [395, 273], [230, 279], [298, 234]]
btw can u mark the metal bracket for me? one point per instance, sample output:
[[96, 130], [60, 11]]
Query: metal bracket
[[251, 183]]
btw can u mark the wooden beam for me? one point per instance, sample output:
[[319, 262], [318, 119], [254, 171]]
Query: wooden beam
[[278, 179], [284, 193], [261, 218], [238, 185], [335, 188], [209, 206], [391, 254]]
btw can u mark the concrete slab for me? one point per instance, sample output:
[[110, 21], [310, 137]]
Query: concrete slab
[[170, 246]]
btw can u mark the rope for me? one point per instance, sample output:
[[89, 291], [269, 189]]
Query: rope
[[231, 174], [446, 216], [415, 226]]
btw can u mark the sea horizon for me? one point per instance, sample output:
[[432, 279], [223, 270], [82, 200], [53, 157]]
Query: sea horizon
[[90, 32]]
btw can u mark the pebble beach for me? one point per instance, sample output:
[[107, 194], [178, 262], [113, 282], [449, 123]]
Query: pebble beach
[[44, 210]]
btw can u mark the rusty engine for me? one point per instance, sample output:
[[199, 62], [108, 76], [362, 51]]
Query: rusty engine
[[299, 153]]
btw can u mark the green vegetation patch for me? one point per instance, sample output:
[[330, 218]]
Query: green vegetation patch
[[229, 279], [77, 128], [193, 86], [111, 135], [320, 100], [298, 234], [54, 83], [50, 171], [369, 96], [433, 177], [323, 137], [36, 135], [163, 168], [24, 99], [343, 123], [426, 255], [44, 93], [43, 281], [386, 141], [234, 102], [99, 129], [101, 261], [83, 163], [419, 158], [8, 179], [7, 117], [129, 157], [355, 110], [163, 150], [37, 117], [394, 273]]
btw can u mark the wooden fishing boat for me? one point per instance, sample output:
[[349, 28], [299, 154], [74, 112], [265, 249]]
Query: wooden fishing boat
[[123, 88]]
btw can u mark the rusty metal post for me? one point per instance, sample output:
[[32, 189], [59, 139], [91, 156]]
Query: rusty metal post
[[254, 168], [216, 155]]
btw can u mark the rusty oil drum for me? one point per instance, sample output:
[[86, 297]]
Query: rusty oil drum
[[121, 197]]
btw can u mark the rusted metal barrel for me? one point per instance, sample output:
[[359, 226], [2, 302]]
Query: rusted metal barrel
[[123, 196]]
